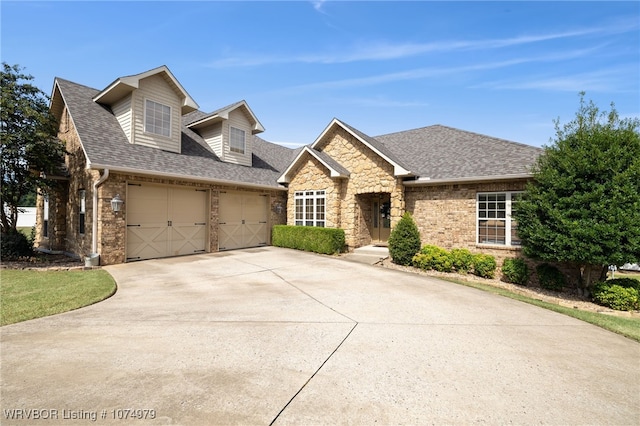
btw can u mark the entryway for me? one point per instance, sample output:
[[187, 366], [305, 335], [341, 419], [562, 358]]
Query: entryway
[[380, 224]]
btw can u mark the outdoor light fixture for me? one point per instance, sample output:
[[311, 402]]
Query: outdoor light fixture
[[116, 203]]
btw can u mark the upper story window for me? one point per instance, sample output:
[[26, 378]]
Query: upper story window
[[310, 208], [236, 140], [157, 118], [495, 225]]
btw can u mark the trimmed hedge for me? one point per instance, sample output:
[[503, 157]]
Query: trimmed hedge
[[404, 241], [515, 270], [308, 238], [621, 294], [550, 277], [461, 260]]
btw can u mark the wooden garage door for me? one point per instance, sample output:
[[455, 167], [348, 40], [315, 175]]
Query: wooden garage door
[[242, 220], [164, 221]]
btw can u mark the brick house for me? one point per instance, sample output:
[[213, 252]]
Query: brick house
[[194, 182]]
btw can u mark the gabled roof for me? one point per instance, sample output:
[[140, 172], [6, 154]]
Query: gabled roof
[[444, 154], [106, 146], [124, 85], [399, 167], [223, 114], [335, 169]]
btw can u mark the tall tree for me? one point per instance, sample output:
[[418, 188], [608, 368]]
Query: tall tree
[[583, 205], [30, 151]]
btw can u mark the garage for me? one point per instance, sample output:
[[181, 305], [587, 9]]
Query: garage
[[242, 220], [165, 221]]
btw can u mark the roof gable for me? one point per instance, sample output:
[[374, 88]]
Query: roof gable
[[223, 114], [335, 169], [125, 85], [398, 166]]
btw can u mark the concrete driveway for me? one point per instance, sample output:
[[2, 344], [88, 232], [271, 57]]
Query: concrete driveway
[[271, 335]]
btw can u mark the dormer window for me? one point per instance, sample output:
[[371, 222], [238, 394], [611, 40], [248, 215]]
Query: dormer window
[[157, 118], [236, 140]]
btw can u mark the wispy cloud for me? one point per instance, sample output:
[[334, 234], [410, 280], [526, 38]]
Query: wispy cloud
[[382, 51]]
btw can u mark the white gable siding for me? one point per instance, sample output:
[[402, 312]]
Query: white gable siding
[[156, 89], [122, 111], [213, 137], [239, 120]]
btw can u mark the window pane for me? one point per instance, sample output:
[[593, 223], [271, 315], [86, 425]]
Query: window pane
[[157, 118]]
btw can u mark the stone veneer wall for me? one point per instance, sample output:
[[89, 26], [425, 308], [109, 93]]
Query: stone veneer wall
[[112, 226], [370, 173], [446, 215]]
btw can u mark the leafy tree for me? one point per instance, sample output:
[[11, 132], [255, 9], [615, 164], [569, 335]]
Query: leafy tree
[[30, 152], [583, 205], [404, 241]]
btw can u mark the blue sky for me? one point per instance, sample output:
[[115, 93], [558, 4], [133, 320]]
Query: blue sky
[[505, 69]]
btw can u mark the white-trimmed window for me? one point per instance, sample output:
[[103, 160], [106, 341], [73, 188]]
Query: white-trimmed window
[[45, 217], [236, 140], [310, 208], [494, 223], [157, 118], [82, 210]]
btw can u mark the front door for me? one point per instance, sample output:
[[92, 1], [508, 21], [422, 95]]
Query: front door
[[381, 220]]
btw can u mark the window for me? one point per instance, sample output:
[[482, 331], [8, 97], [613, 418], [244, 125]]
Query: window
[[82, 210], [236, 140], [310, 208], [495, 225], [45, 217], [157, 118]]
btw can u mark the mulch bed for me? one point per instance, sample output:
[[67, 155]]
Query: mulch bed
[[44, 262]]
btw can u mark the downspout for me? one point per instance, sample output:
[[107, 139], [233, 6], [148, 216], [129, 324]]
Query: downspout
[[94, 223]]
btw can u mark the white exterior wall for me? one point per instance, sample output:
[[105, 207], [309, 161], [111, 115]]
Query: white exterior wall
[[122, 111], [157, 89]]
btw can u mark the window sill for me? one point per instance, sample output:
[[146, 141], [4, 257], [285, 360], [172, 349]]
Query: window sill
[[498, 247]]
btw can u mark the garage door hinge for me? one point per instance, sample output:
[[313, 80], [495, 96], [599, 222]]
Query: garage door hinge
[[263, 222], [132, 225], [222, 223], [133, 258], [200, 223], [201, 190], [134, 184], [198, 251]]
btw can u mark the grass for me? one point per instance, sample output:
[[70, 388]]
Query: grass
[[26, 294], [626, 326]]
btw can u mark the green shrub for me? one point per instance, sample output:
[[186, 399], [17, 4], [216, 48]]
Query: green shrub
[[625, 282], [433, 257], [462, 260], [515, 270], [616, 296], [308, 238], [484, 265], [404, 241], [15, 244], [550, 277]]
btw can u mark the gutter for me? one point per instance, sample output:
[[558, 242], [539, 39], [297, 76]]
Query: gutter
[[94, 224], [184, 177], [428, 181]]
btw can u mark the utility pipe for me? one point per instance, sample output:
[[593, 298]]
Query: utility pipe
[[94, 223]]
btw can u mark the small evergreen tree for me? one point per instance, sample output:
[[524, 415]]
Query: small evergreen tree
[[404, 241], [583, 206]]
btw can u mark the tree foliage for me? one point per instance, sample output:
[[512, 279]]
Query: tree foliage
[[30, 152], [583, 205]]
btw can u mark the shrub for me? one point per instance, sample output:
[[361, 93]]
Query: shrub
[[625, 282], [550, 277], [404, 241], [515, 270], [616, 296], [308, 238], [462, 260], [433, 257], [484, 265], [14, 244]]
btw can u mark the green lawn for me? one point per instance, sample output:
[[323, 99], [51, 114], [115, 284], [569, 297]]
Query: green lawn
[[28, 294], [626, 326]]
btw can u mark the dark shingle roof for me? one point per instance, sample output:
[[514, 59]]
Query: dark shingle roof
[[440, 152], [106, 146]]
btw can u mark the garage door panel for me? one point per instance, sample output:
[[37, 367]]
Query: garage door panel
[[165, 221]]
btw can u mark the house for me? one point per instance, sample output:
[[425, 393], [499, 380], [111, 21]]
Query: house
[[150, 175]]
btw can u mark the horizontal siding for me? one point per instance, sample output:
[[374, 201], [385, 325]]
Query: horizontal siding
[[213, 136], [156, 89], [122, 111], [239, 120]]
